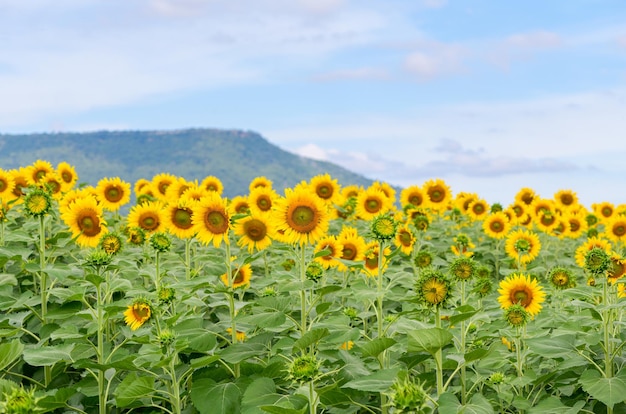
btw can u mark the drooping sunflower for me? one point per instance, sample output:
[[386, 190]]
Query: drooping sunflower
[[212, 184], [137, 314], [372, 202], [583, 249], [478, 209], [211, 219], [261, 200], [84, 218], [353, 246], [113, 193], [38, 170], [68, 176], [433, 289], [148, 216], [615, 229], [7, 184], [526, 196], [240, 276], [333, 246], [160, 183], [255, 232], [405, 239], [178, 219], [497, 225], [372, 253], [521, 289], [259, 182], [413, 196], [439, 194], [522, 245], [567, 199], [300, 217]]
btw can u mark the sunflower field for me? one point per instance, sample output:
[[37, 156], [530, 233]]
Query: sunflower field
[[320, 298]]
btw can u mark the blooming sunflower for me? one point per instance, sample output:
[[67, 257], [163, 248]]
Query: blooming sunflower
[[38, 170], [522, 245], [463, 199], [567, 199], [212, 184], [615, 229], [53, 184], [333, 246], [239, 205], [617, 268], [193, 194], [20, 177], [478, 209], [240, 276], [113, 193], [387, 189], [177, 188], [522, 290], [413, 196], [604, 210], [439, 194], [353, 246], [161, 182], [68, 176], [148, 216], [583, 249], [497, 225], [137, 314], [372, 202], [372, 252], [546, 221], [526, 196], [577, 225], [326, 188], [260, 182], [141, 185], [211, 220], [255, 232], [300, 217], [7, 184], [261, 200], [84, 218], [178, 219], [405, 239]]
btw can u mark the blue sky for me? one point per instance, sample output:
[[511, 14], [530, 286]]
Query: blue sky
[[490, 96]]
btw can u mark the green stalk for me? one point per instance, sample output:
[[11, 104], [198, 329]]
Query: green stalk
[[382, 358], [2, 231], [312, 399], [463, 368], [44, 288], [102, 394], [438, 357], [303, 304], [231, 307], [187, 259], [175, 396]]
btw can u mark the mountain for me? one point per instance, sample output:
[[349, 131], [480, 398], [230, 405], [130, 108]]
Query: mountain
[[233, 156]]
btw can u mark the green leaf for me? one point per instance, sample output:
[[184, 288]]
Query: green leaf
[[264, 320], [552, 346], [609, 391], [475, 355], [429, 340], [553, 405], [211, 398], [9, 352], [238, 352], [204, 361], [56, 399], [7, 279], [376, 346], [48, 355], [448, 403], [133, 388], [376, 382], [462, 313], [310, 338], [261, 391]]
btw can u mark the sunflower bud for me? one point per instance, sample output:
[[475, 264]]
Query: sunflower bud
[[37, 202], [407, 396], [304, 368], [111, 243], [496, 378], [166, 338], [98, 258], [19, 401], [161, 242], [561, 278], [166, 294], [516, 315], [597, 261], [314, 271], [421, 222], [136, 236], [351, 313], [384, 227], [423, 259], [463, 268], [433, 288]]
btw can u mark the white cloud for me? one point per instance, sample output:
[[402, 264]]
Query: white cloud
[[435, 59], [366, 73]]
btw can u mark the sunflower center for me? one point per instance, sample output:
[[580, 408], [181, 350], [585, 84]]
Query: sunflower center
[[436, 194], [527, 198], [518, 210], [478, 209], [349, 251], [264, 203], [89, 223], [39, 175], [405, 238], [255, 229], [182, 218], [416, 199], [617, 269], [216, 222], [619, 229], [242, 208], [574, 226], [67, 176], [3, 185], [324, 191], [547, 219], [567, 199], [522, 297], [142, 312], [54, 186], [496, 226], [560, 279], [607, 211], [434, 292], [238, 276], [373, 205], [303, 219], [113, 194], [522, 245], [37, 204], [149, 221]]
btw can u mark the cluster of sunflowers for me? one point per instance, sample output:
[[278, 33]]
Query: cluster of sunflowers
[[346, 228]]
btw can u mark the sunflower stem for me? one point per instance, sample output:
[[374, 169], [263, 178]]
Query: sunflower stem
[[102, 395], [188, 259], [438, 357], [231, 307], [43, 276], [303, 301], [383, 356], [463, 333]]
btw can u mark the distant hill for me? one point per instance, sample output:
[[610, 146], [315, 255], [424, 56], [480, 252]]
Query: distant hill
[[233, 156]]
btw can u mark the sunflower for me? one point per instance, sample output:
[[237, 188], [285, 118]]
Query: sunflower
[[326, 188], [433, 288], [439, 194], [113, 193], [617, 268], [604, 210], [405, 239], [372, 252], [137, 314], [567, 199], [240, 276], [7, 184], [583, 249], [20, 178], [526, 196], [300, 217], [413, 196], [161, 182], [522, 290], [561, 278], [178, 219], [423, 259], [255, 232], [212, 184], [463, 268], [148, 216], [372, 202], [37, 202], [461, 245], [239, 205], [497, 225], [53, 184], [615, 229], [353, 246], [141, 185], [577, 225], [387, 189], [260, 182], [176, 189], [522, 245], [463, 199], [546, 221], [193, 194], [333, 246], [351, 191], [38, 170], [68, 176], [478, 209], [111, 243], [241, 336], [84, 218], [261, 200], [211, 220]]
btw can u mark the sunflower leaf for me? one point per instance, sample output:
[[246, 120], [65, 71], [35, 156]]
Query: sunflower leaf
[[429, 340], [609, 391], [310, 338]]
